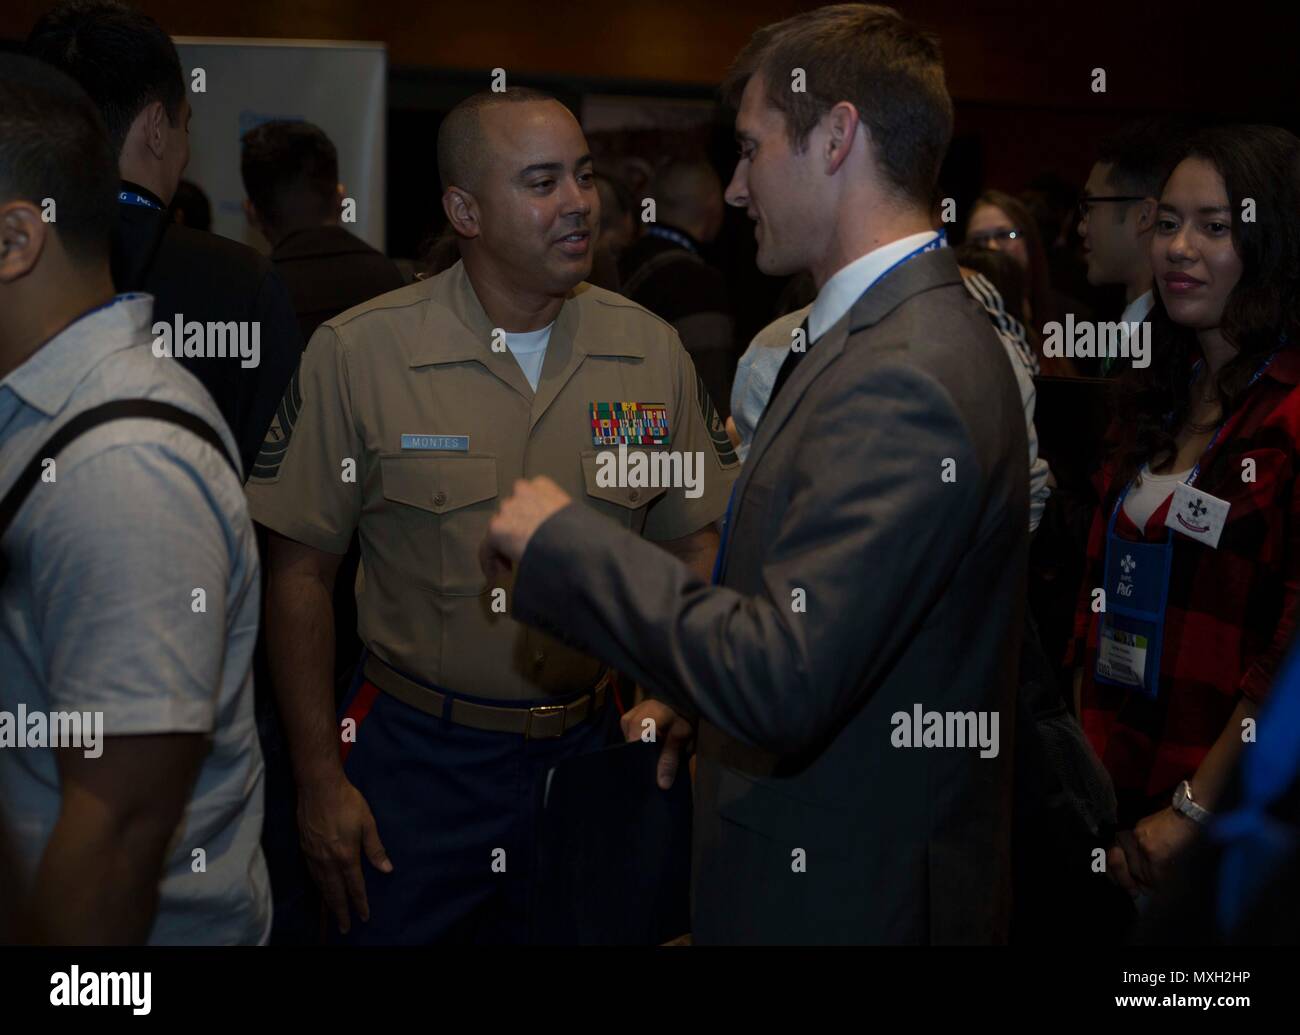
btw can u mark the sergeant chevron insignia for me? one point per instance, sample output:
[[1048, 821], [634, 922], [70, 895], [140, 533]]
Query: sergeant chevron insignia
[[722, 447], [267, 465]]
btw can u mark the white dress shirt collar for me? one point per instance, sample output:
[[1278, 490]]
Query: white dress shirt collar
[[850, 282], [1139, 309]]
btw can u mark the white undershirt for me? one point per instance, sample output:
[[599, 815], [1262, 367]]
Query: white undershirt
[[529, 350], [1144, 499]]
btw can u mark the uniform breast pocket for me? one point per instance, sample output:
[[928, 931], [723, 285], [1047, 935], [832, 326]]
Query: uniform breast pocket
[[620, 493], [437, 512]]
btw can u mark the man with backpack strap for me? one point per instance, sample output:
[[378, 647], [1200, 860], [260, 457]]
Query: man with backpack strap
[[131, 782]]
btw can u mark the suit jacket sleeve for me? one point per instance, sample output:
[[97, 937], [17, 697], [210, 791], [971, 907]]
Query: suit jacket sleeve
[[871, 534]]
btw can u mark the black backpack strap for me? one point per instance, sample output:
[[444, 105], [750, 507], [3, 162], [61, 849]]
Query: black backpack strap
[[121, 409]]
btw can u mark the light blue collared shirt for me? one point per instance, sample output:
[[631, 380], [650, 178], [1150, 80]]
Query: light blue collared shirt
[[100, 613]]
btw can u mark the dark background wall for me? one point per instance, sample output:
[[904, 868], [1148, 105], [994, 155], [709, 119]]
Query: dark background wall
[[1026, 54], [1020, 71]]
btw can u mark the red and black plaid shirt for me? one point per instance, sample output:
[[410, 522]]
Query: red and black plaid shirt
[[1230, 613]]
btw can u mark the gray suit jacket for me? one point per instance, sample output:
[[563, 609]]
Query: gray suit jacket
[[857, 583]]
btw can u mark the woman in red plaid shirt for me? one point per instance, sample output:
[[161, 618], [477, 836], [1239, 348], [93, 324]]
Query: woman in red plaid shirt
[[1194, 555]]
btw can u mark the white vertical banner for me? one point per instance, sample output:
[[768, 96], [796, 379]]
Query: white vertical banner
[[339, 86]]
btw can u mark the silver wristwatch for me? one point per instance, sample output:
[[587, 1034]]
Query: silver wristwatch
[[1186, 805]]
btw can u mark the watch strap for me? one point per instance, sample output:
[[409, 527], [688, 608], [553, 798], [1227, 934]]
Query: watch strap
[[1185, 804]]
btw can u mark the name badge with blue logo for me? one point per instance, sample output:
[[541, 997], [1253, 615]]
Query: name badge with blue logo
[[1131, 632], [444, 443]]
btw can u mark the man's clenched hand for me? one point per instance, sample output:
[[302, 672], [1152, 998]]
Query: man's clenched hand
[[534, 500]]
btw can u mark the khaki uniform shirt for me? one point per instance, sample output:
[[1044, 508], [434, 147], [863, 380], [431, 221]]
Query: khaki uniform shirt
[[405, 423]]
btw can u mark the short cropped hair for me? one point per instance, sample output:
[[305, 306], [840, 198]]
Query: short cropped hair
[[888, 68], [1142, 155], [290, 169], [53, 145], [460, 137], [121, 57]]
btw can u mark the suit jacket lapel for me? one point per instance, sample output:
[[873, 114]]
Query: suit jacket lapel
[[929, 270], [781, 405]]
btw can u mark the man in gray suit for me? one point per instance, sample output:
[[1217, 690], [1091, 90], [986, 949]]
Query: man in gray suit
[[851, 670]]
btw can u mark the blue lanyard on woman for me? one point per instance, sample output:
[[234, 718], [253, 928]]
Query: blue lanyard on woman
[[1130, 632]]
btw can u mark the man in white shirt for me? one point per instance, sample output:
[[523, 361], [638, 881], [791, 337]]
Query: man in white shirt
[[1117, 214]]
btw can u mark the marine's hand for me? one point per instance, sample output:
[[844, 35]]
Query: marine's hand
[[335, 826]]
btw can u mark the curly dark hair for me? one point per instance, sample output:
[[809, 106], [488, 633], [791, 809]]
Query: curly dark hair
[[1263, 311]]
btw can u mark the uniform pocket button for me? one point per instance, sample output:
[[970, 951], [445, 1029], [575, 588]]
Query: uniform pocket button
[[634, 495], [439, 498]]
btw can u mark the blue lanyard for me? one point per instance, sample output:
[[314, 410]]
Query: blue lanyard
[[1213, 438], [722, 543], [672, 235], [130, 197], [939, 242]]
